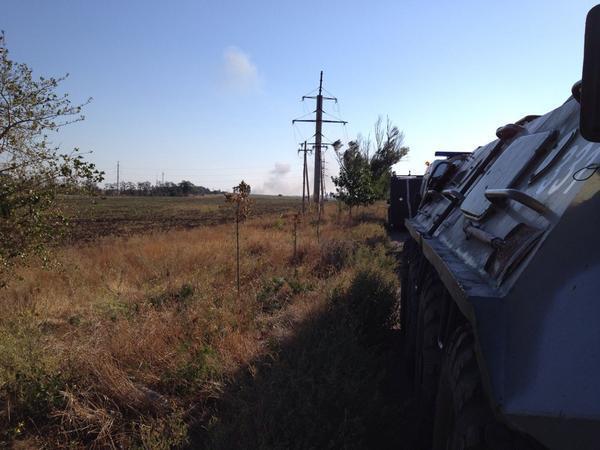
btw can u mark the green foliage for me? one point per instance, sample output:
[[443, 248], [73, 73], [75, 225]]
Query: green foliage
[[335, 255], [116, 308], [365, 175], [354, 184], [179, 296], [274, 294], [372, 297], [32, 171], [166, 189], [189, 376], [389, 150], [279, 223], [30, 383], [298, 286], [163, 433]]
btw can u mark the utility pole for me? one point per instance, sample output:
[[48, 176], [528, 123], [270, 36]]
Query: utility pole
[[306, 177], [305, 184], [322, 180], [318, 121], [163, 179], [118, 190], [318, 138]]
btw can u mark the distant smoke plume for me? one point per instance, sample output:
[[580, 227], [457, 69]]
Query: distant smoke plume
[[279, 181]]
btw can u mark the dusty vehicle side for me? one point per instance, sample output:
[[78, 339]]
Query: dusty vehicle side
[[500, 303]]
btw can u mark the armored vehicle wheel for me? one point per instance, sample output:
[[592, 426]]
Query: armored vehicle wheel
[[428, 355], [409, 302], [463, 416], [461, 412]]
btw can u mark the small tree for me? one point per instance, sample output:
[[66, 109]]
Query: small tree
[[354, 185], [33, 172], [365, 172], [241, 198], [389, 150]]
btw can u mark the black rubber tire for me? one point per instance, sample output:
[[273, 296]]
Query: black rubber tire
[[413, 263], [403, 273], [463, 415], [462, 412], [428, 355]]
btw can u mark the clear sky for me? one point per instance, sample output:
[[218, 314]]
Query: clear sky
[[206, 90]]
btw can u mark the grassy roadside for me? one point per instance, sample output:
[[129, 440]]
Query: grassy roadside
[[142, 342]]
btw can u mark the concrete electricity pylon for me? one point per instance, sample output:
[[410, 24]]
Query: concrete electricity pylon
[[318, 121]]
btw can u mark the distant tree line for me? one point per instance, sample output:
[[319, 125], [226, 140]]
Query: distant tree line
[[166, 189]]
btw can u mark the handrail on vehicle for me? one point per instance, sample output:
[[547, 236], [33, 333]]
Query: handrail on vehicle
[[520, 197]]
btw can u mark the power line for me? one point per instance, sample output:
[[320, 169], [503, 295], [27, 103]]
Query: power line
[[318, 121]]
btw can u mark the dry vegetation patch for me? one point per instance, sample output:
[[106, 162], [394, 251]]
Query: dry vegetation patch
[[142, 341]]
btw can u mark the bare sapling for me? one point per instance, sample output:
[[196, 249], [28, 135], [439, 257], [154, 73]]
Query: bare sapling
[[241, 198]]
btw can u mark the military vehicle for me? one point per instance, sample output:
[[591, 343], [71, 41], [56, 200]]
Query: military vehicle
[[405, 197], [500, 301]]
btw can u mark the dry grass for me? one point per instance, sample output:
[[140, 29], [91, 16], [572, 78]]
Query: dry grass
[[139, 341]]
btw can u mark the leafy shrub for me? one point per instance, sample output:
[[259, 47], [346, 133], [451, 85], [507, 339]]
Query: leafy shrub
[[179, 296], [30, 384], [274, 294], [192, 373], [335, 255], [114, 309], [163, 433], [298, 286], [371, 299], [279, 223]]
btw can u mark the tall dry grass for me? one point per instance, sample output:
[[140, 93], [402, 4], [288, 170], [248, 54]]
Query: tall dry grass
[[135, 342]]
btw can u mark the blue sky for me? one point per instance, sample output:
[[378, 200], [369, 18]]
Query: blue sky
[[206, 90]]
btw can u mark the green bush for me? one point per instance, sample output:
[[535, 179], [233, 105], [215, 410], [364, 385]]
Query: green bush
[[163, 433], [372, 295], [274, 294], [335, 255], [30, 381], [192, 373], [178, 297]]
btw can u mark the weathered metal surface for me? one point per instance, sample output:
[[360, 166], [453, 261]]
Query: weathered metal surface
[[405, 196], [504, 172], [513, 236]]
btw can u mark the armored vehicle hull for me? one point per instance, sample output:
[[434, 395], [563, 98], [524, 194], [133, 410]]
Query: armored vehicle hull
[[501, 290]]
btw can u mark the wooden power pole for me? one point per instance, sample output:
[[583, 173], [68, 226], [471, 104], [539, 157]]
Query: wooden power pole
[[318, 121]]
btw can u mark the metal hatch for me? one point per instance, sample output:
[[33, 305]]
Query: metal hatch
[[505, 171]]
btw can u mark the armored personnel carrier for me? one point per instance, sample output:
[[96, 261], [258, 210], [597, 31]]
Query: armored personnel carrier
[[500, 303]]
